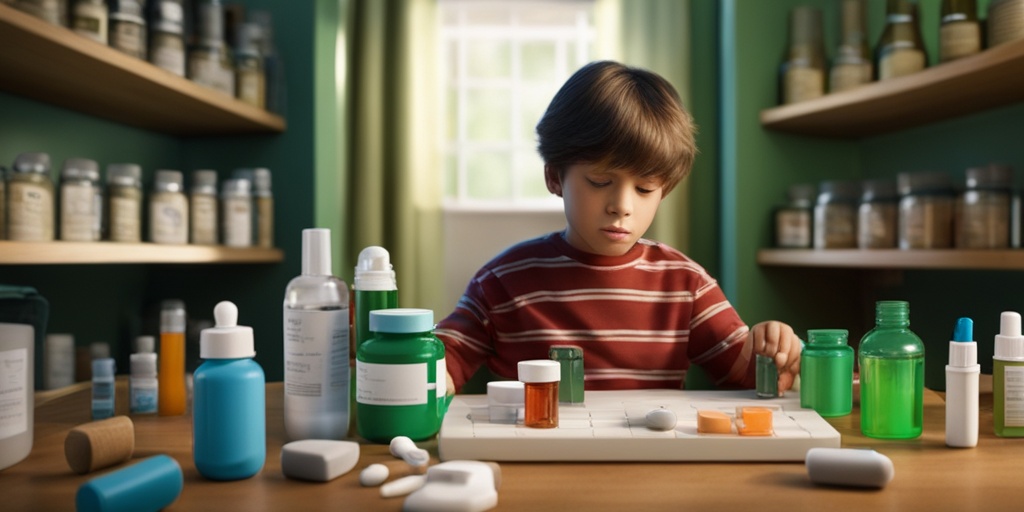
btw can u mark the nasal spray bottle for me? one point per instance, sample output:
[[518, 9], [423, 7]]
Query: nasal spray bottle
[[316, 338], [374, 287], [1008, 377], [962, 387]]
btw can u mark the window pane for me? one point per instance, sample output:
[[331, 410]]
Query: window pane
[[531, 175], [539, 61], [451, 175], [452, 115], [535, 101], [489, 59], [488, 175], [488, 114]]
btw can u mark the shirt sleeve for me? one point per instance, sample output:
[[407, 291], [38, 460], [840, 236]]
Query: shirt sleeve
[[717, 338], [466, 334]]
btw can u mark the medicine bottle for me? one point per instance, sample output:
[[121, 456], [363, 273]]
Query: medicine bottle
[[766, 376], [540, 379], [926, 210], [794, 220], [374, 286], [203, 206], [166, 35], [570, 386], [208, 61], [401, 377], [264, 211], [236, 203], [900, 51], [891, 375], [959, 30], [316, 346], [30, 202], [983, 210], [53, 11], [229, 435], [168, 209], [1008, 377], [852, 64], [128, 28], [89, 19], [802, 73], [250, 80], [826, 373], [102, 388], [835, 215], [124, 203], [58, 360], [877, 215], [81, 201], [143, 384], [172, 397], [1004, 23]]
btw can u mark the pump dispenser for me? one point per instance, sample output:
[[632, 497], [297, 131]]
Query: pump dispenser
[[962, 374], [1008, 377], [228, 419], [316, 346]]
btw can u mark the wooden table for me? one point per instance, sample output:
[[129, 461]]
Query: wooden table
[[929, 476]]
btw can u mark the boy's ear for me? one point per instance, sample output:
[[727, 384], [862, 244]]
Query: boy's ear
[[553, 180]]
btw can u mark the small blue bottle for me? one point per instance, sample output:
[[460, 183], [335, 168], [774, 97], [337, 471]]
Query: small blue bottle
[[228, 426], [102, 388]]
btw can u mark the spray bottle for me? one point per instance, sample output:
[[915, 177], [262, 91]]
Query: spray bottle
[[375, 288], [1008, 377], [962, 387], [316, 346]]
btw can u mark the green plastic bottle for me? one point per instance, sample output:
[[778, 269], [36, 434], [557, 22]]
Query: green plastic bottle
[[400, 377], [826, 373], [1008, 377], [891, 375]]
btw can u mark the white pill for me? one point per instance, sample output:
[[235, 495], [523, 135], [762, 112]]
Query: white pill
[[849, 466], [661, 419], [400, 445], [319, 460], [402, 486], [416, 457], [374, 475]]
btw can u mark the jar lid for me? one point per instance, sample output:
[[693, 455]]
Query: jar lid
[[103, 367], [172, 316], [802, 193], [402, 320], [235, 188], [124, 175], [990, 177], [145, 344], [925, 182], [32, 162], [261, 181], [80, 169], [204, 181], [143, 364], [168, 181], [878, 190], [505, 392], [838, 191], [540, 370]]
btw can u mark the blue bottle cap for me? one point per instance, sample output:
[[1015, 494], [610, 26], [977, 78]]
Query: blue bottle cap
[[402, 320]]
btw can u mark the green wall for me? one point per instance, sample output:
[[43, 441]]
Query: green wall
[[115, 303]]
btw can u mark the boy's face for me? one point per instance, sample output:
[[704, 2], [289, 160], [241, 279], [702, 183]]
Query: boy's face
[[607, 210]]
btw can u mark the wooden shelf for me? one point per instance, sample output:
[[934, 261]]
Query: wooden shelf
[[57, 253], [990, 79], [935, 259], [57, 66]]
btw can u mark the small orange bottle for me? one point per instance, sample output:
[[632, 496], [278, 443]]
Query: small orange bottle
[[540, 379], [171, 394]]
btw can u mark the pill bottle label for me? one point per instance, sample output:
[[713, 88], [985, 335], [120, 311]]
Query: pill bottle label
[[169, 218], [29, 212], [959, 40], [128, 37], [143, 397], [78, 214], [442, 381], [124, 219], [1013, 397], [848, 76], [901, 62], [306, 357], [204, 220], [391, 384], [13, 393], [237, 222], [804, 84]]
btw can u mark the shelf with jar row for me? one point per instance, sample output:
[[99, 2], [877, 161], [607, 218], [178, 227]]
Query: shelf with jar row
[[60, 252], [54, 65], [896, 259], [964, 86]]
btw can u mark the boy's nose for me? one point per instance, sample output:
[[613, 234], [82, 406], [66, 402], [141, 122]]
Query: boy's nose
[[620, 203]]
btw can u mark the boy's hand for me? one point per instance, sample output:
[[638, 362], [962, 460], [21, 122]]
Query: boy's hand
[[778, 341]]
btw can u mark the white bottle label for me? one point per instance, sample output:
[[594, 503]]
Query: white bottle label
[[315, 352], [442, 379], [13, 392], [237, 222], [391, 384], [29, 212], [168, 214], [1013, 396], [78, 214], [143, 396], [204, 220]]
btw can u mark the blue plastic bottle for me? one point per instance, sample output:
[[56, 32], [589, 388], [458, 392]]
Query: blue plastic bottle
[[228, 426], [147, 486]]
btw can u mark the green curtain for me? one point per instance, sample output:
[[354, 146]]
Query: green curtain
[[393, 191], [654, 34]]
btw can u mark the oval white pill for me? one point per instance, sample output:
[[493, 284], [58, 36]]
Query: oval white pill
[[400, 445], [849, 466], [416, 457], [661, 419], [374, 475]]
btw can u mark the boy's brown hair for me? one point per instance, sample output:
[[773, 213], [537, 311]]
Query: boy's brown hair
[[619, 117]]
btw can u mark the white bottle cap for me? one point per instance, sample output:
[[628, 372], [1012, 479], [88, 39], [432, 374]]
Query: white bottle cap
[[172, 316], [505, 392], [60, 342], [1009, 344], [540, 370], [227, 340], [316, 252], [143, 364], [144, 344], [103, 367], [374, 271]]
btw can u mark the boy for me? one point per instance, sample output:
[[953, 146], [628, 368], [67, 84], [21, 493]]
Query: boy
[[615, 140]]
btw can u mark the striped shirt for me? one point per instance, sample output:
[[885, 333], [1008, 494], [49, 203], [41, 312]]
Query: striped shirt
[[641, 318]]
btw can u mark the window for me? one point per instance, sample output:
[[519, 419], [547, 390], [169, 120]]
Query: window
[[502, 62]]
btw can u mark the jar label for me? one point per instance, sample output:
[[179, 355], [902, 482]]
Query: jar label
[[793, 228], [204, 219], [13, 392], [30, 212], [125, 225], [250, 87], [315, 352], [143, 397], [1013, 396], [78, 213], [804, 84], [1005, 23], [391, 384], [169, 218], [238, 222], [900, 62], [168, 52], [442, 378], [265, 221], [848, 76], [129, 38], [959, 39]]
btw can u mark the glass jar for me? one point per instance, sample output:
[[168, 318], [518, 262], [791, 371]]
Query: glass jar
[[876, 215], [124, 203], [166, 35], [1005, 22], [236, 201], [891, 375], [81, 201], [203, 207], [852, 64], [835, 215], [926, 210], [89, 19], [250, 80], [803, 69], [168, 209], [209, 63], [53, 11], [983, 209], [959, 30], [128, 28], [793, 221], [30, 199], [900, 51]]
